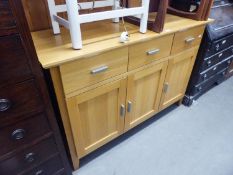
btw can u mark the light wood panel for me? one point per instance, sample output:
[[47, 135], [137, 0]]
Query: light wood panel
[[139, 53], [57, 84], [99, 37], [177, 77], [181, 38], [77, 75], [144, 91], [95, 116]]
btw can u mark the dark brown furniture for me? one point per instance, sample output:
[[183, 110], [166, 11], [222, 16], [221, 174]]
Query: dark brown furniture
[[30, 141], [156, 20], [202, 12], [215, 57]]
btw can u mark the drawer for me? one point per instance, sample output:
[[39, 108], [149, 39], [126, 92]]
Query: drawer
[[16, 136], [53, 166], [214, 70], [13, 63], [7, 22], [187, 38], [18, 101], [210, 61], [88, 71], [146, 52], [29, 158], [219, 45]]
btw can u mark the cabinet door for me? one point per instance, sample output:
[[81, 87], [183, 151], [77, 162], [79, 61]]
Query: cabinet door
[[144, 91], [177, 77], [97, 116]]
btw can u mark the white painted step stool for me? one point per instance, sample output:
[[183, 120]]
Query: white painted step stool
[[72, 8]]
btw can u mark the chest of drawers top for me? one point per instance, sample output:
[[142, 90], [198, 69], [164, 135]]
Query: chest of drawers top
[[54, 50]]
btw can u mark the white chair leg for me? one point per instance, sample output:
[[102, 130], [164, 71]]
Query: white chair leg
[[144, 18], [115, 7], [52, 10], [74, 23]]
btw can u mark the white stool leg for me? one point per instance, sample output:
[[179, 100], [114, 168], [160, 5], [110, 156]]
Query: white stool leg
[[116, 5], [74, 23], [52, 11], [144, 18]]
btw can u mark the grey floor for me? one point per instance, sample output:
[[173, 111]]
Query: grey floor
[[179, 141]]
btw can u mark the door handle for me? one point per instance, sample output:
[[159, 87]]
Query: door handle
[[129, 106], [122, 110], [165, 87]]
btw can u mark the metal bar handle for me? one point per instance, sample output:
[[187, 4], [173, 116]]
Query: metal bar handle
[[189, 40], [129, 106], [122, 110], [153, 51], [99, 70]]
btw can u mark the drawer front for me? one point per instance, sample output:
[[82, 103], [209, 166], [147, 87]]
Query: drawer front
[[219, 45], [53, 166], [149, 51], [25, 132], [213, 70], [29, 157], [88, 71], [13, 63], [20, 100], [187, 39], [7, 22], [210, 61], [215, 79]]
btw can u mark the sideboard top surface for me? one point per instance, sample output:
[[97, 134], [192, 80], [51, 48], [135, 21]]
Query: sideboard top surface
[[54, 50]]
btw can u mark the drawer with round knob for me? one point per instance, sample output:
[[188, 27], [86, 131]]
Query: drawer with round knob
[[19, 101], [29, 157], [23, 133], [53, 166]]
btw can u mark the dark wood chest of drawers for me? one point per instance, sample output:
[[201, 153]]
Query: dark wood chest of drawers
[[30, 140]]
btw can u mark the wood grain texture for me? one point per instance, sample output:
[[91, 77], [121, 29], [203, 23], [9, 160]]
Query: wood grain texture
[[180, 44], [22, 160], [55, 74], [7, 21], [56, 50], [95, 116], [144, 91], [138, 52], [26, 95], [77, 75], [177, 77]]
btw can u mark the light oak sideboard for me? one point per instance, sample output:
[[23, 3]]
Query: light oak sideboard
[[108, 87]]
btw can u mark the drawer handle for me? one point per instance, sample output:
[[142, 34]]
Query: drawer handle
[[153, 52], [18, 134], [40, 172], [189, 40], [30, 157], [99, 70], [5, 104]]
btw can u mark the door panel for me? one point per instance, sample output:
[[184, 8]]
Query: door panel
[[143, 94], [177, 77], [95, 116]]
